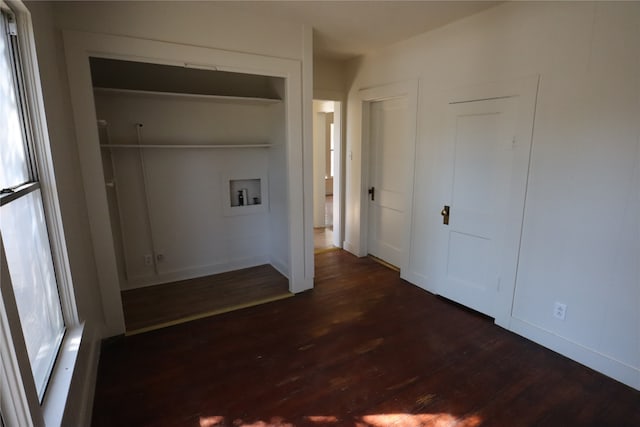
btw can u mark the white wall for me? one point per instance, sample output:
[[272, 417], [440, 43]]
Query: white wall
[[581, 232], [224, 25], [278, 190], [187, 188], [65, 158], [328, 78], [73, 208]]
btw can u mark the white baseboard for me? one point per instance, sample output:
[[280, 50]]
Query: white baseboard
[[602, 363], [280, 266], [193, 272], [591, 358], [302, 285], [349, 247], [416, 279]]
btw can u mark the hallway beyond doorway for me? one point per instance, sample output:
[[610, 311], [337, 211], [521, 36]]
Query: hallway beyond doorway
[[323, 236]]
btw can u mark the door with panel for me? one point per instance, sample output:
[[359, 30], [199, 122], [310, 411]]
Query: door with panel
[[389, 155], [482, 221]]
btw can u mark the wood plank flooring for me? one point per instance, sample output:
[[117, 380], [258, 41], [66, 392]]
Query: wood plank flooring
[[323, 236], [322, 239], [364, 348], [158, 306]]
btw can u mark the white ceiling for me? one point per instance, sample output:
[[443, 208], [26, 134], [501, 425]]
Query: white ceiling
[[344, 29]]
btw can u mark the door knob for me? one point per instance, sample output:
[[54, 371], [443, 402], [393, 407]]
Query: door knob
[[372, 192], [445, 215]]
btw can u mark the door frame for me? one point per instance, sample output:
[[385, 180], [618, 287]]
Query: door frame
[[366, 97], [525, 90], [339, 174], [80, 46]]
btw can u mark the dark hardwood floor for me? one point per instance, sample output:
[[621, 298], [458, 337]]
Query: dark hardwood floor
[[364, 348], [158, 306]]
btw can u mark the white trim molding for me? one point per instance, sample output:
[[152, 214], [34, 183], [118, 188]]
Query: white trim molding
[[408, 89], [607, 365], [80, 46]]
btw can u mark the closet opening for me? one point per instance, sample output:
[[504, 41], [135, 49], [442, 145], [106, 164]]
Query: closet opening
[[195, 171]]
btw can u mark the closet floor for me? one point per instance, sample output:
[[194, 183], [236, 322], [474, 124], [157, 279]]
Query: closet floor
[[159, 306]]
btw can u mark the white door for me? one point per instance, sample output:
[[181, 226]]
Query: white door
[[388, 177], [486, 202]]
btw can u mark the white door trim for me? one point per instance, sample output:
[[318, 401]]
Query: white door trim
[[366, 96], [339, 174], [79, 46]]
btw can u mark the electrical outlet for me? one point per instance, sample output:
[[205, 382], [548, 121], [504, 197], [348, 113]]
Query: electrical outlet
[[148, 259], [559, 310]]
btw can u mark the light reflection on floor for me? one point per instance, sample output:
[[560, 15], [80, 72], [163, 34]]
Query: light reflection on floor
[[373, 420]]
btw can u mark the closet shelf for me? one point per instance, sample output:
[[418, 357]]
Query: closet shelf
[[216, 98], [206, 146]]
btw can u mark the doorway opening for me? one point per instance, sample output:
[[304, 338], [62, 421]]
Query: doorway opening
[[389, 123], [327, 175]]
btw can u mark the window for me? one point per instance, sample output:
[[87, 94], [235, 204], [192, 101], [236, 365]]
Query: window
[[23, 224]]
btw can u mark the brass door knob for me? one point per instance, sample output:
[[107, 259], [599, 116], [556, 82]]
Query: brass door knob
[[445, 214]]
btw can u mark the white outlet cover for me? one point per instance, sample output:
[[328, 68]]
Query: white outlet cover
[[560, 310]]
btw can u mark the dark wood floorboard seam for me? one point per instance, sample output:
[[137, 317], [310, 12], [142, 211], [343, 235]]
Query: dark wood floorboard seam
[[365, 349]]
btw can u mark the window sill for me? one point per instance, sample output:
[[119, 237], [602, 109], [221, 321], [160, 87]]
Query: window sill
[[55, 398]]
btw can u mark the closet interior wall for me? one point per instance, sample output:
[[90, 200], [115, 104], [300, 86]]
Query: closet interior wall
[[174, 203]]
